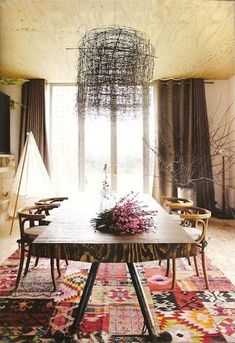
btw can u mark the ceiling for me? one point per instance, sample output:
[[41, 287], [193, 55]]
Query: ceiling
[[192, 38]]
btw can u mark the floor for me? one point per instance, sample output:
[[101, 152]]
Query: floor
[[220, 249], [8, 242], [221, 245]]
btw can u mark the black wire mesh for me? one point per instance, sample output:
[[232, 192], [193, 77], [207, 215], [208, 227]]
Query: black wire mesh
[[115, 67]]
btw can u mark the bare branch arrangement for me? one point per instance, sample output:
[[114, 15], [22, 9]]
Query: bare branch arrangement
[[222, 144], [115, 67], [182, 170]]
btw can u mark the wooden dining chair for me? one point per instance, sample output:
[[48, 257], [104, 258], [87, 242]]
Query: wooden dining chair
[[176, 206], [195, 223], [51, 200], [31, 225]]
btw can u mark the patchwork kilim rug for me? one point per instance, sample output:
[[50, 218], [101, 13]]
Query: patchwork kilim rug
[[190, 313]]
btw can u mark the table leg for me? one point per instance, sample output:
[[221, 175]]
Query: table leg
[[154, 331], [80, 310]]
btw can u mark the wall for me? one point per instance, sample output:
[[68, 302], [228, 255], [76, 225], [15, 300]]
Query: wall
[[14, 91], [230, 192], [232, 116], [219, 97]]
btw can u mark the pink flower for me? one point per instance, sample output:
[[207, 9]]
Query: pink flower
[[128, 216]]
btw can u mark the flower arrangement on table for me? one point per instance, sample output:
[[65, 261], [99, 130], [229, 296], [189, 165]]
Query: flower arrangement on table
[[128, 217]]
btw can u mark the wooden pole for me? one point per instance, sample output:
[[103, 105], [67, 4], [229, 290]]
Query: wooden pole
[[21, 175], [223, 186]]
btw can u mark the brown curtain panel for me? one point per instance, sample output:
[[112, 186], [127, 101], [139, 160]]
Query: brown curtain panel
[[33, 116], [183, 143]]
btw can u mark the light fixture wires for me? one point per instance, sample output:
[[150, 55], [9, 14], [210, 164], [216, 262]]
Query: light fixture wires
[[115, 67]]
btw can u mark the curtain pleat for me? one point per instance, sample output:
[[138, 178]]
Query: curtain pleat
[[183, 142], [201, 148], [33, 116]]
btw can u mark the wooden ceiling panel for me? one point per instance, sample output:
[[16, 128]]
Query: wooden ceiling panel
[[192, 38]]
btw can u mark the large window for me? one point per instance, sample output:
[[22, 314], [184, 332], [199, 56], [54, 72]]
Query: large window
[[63, 139], [79, 148], [130, 155], [97, 152]]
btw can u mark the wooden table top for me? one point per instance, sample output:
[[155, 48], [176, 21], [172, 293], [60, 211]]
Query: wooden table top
[[71, 226]]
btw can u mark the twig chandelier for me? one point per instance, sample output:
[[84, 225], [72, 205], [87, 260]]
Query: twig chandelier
[[115, 67]]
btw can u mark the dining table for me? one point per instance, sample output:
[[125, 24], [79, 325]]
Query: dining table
[[71, 233]]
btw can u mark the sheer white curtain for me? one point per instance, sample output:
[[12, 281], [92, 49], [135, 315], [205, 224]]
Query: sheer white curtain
[[63, 139]]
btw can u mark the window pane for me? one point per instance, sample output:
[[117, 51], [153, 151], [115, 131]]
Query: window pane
[[130, 155], [97, 152], [64, 140]]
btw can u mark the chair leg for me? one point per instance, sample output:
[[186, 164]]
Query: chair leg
[[204, 270], [58, 266], [65, 254], [27, 262], [160, 262], [173, 274], [189, 261], [36, 262], [53, 273], [66, 261], [22, 254], [195, 264], [167, 267]]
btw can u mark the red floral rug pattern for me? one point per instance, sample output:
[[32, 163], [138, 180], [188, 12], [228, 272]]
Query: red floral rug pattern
[[190, 313]]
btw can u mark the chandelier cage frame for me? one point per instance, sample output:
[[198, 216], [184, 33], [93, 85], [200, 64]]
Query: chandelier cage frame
[[115, 67]]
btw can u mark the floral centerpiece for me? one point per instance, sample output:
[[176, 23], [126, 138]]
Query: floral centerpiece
[[128, 217]]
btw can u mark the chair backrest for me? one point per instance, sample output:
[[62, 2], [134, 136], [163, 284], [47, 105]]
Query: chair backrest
[[197, 217], [176, 204], [32, 216], [46, 201]]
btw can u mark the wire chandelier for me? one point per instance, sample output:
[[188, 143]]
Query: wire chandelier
[[115, 66]]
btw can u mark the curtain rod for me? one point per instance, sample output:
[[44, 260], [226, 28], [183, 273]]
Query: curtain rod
[[180, 80]]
